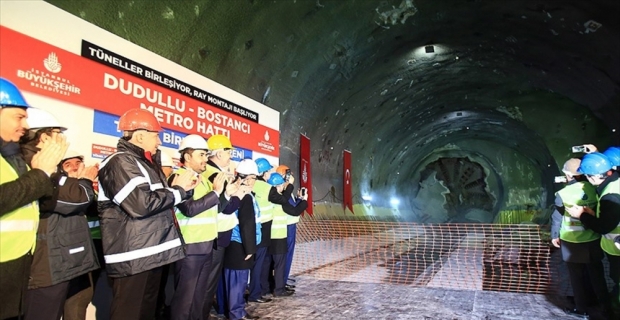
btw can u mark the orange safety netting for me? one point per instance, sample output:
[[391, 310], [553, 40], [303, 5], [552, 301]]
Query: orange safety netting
[[499, 257]]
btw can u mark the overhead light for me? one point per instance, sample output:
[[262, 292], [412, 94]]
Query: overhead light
[[429, 49], [394, 201], [367, 197]]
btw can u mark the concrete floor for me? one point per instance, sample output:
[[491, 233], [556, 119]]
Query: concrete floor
[[326, 299]]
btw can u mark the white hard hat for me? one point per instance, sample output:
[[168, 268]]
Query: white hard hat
[[70, 154], [38, 119], [193, 141], [247, 167], [166, 160]]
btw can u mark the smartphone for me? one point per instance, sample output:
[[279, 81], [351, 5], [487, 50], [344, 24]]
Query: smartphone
[[303, 192], [578, 149], [561, 179]]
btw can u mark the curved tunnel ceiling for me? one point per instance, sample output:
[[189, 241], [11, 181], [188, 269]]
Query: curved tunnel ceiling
[[527, 79]]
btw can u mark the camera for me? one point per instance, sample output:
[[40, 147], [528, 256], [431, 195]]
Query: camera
[[561, 179], [578, 149]]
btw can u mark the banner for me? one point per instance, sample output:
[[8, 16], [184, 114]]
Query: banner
[[305, 172], [347, 200], [115, 84]]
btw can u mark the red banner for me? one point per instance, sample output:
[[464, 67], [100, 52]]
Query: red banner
[[305, 172], [347, 200], [41, 68]]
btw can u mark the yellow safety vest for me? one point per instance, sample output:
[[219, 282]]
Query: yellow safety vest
[[607, 241], [18, 228], [261, 189], [225, 222], [203, 226], [581, 194], [278, 226]]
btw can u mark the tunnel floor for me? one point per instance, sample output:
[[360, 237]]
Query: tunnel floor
[[326, 299]]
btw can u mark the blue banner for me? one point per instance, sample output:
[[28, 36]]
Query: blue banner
[[107, 124]]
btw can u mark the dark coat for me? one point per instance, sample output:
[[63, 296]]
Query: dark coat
[[64, 249], [136, 212], [236, 252]]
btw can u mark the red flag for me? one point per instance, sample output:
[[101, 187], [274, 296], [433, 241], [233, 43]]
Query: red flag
[[305, 172], [347, 195]]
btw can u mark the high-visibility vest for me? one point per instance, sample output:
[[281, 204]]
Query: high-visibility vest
[[203, 226], [278, 226], [577, 194], [225, 222], [261, 189], [607, 241], [18, 228]]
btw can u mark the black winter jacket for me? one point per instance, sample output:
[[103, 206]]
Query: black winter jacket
[[64, 249], [138, 226]]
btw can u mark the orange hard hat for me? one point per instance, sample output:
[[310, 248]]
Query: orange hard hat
[[136, 119], [282, 170]]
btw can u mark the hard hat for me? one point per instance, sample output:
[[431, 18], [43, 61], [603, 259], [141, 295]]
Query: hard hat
[[10, 96], [166, 159], [594, 163], [613, 154], [275, 179], [193, 141], [247, 167], [70, 154], [282, 170], [136, 119], [219, 141], [39, 119], [263, 165], [571, 166]]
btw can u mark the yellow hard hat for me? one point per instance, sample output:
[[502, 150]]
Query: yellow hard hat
[[219, 141]]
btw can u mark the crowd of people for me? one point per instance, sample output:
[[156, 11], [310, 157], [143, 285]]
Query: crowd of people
[[226, 237], [586, 228]]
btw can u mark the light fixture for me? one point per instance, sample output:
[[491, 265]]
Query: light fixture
[[394, 202], [367, 197], [429, 49]]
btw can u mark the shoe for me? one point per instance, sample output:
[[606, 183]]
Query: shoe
[[289, 290], [250, 317], [261, 300], [290, 286], [284, 294], [577, 313]]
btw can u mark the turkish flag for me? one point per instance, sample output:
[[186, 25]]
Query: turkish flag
[[347, 195], [304, 168]]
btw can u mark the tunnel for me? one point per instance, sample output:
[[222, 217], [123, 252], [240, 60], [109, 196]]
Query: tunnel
[[403, 85], [458, 115]]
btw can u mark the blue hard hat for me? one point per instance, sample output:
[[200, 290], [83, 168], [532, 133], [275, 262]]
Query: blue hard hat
[[275, 179], [613, 154], [263, 165], [594, 163], [10, 95]]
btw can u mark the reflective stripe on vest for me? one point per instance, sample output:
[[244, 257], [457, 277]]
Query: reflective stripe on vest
[[141, 253], [226, 222], [261, 189], [607, 241], [203, 226], [292, 220], [279, 226], [582, 194], [18, 228]]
